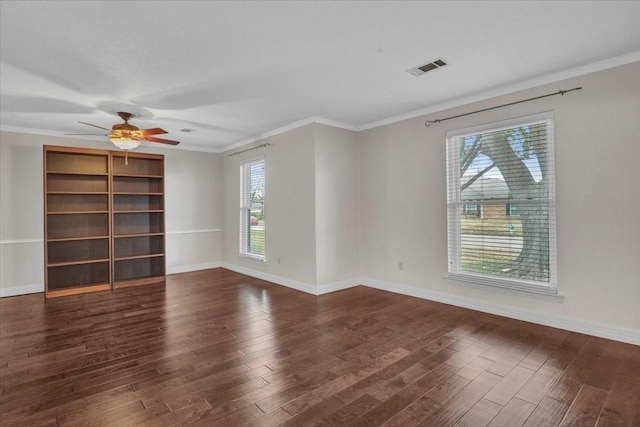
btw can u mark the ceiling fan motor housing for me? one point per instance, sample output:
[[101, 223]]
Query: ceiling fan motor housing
[[125, 126]]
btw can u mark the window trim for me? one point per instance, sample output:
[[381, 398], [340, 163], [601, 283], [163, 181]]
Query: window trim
[[509, 285], [244, 205]]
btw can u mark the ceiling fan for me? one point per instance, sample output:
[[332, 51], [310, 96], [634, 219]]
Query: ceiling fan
[[126, 136]]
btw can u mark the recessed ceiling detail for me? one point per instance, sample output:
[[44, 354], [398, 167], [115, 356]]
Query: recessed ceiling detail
[[429, 66]]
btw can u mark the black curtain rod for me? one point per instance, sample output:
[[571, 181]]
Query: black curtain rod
[[266, 144], [560, 92]]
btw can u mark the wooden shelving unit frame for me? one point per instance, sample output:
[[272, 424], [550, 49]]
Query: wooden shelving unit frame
[[104, 222]]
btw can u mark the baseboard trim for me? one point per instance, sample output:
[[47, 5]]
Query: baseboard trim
[[294, 284], [194, 267], [338, 286], [289, 283], [602, 330], [627, 335], [21, 290]]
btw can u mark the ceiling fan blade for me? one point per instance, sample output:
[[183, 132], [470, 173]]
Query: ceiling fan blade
[[98, 134], [95, 126], [163, 141], [154, 131]]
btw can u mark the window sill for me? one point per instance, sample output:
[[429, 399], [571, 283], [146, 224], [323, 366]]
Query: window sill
[[470, 283], [252, 258]]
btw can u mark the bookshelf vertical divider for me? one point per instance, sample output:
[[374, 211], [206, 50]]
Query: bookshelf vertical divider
[[103, 221]]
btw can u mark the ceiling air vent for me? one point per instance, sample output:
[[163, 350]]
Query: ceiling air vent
[[418, 71]]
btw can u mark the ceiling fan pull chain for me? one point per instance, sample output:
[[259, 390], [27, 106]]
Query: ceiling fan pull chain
[[126, 157]]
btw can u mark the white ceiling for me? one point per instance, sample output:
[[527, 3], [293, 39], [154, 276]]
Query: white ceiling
[[233, 71]]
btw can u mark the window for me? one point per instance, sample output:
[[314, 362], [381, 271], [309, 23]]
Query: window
[[473, 210], [507, 164], [512, 210], [252, 218]]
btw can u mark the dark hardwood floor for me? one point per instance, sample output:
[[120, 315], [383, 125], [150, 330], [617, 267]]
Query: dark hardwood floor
[[219, 348]]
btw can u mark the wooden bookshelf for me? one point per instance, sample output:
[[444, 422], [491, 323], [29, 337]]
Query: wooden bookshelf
[[103, 220], [76, 221], [138, 219]]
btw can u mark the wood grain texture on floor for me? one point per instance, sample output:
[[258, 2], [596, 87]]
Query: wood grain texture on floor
[[217, 348]]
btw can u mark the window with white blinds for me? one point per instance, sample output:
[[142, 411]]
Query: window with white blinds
[[252, 214], [501, 204]]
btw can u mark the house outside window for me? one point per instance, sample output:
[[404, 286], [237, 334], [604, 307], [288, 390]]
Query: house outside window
[[506, 170], [252, 210]]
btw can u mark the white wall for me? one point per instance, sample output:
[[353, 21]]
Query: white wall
[[193, 188], [21, 219], [290, 212], [403, 205], [193, 197], [311, 209], [336, 189], [400, 185]]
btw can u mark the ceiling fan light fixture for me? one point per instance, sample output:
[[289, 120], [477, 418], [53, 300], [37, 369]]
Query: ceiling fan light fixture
[[124, 143]]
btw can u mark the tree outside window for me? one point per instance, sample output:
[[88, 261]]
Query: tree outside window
[[507, 172]]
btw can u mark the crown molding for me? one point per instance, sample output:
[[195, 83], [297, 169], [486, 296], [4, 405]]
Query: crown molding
[[291, 126], [510, 88], [435, 108]]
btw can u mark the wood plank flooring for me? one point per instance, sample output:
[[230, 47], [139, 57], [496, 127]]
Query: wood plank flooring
[[217, 348]]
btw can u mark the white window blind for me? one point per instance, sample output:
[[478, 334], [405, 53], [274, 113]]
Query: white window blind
[[252, 213], [501, 204]]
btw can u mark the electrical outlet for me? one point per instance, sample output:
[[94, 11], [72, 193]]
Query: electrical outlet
[[400, 265], [278, 260]]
